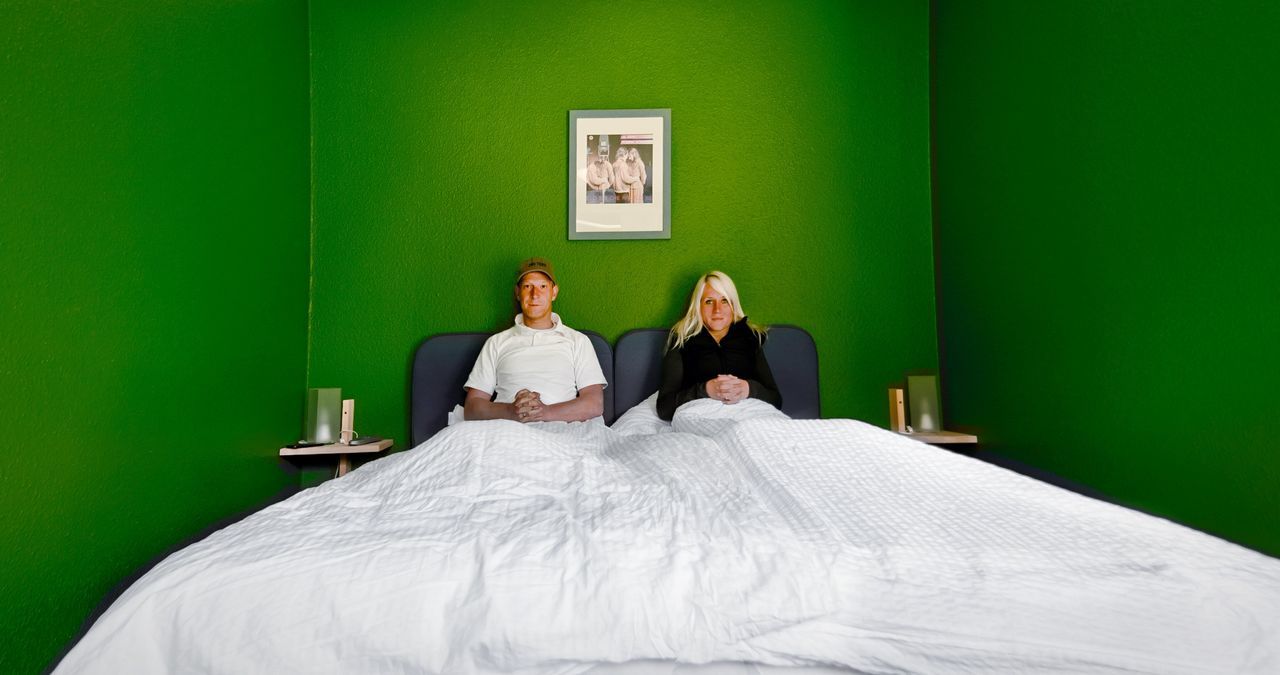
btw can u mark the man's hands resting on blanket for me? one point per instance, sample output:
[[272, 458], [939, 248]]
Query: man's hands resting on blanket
[[529, 406]]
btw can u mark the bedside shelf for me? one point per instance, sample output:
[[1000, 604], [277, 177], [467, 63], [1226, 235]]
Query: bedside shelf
[[344, 462], [338, 449], [939, 437]]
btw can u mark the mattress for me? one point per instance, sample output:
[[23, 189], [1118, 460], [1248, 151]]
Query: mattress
[[733, 538]]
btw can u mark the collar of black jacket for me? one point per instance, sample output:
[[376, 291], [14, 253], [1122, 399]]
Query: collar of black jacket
[[738, 330]]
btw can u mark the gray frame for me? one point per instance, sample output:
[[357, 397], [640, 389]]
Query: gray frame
[[665, 167]]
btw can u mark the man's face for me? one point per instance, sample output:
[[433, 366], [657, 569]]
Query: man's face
[[716, 311], [536, 293]]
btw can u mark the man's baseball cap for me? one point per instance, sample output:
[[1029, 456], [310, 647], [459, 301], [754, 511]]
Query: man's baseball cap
[[536, 265]]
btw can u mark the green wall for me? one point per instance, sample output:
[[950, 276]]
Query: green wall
[[800, 166], [153, 288], [1107, 230], [1103, 225]]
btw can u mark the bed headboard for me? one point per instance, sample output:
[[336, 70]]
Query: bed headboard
[[442, 363], [792, 355], [441, 366]]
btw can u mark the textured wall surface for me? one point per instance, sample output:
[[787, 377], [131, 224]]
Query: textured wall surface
[[153, 288], [800, 166], [1106, 227]]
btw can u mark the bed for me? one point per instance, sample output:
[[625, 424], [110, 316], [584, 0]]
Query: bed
[[734, 539]]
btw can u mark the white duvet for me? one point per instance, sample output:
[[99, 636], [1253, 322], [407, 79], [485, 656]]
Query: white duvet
[[736, 534]]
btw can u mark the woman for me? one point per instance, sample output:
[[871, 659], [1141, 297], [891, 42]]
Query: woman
[[623, 177], [641, 175], [713, 352]]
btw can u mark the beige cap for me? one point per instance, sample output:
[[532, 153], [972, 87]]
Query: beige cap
[[536, 265]]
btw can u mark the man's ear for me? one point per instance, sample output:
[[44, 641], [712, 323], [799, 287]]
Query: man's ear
[[555, 290]]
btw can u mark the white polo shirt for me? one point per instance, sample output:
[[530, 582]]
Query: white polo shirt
[[555, 362]]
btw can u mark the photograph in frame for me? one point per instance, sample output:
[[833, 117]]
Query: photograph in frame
[[619, 174]]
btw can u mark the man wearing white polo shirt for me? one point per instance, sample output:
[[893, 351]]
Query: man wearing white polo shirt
[[540, 369]]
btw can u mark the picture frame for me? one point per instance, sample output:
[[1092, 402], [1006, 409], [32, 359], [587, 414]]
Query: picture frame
[[620, 174]]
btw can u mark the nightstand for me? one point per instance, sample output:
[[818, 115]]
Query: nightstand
[[342, 451]]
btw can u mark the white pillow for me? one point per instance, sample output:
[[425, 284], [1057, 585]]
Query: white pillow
[[642, 419]]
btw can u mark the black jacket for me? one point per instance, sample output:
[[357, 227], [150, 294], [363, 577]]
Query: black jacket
[[685, 371]]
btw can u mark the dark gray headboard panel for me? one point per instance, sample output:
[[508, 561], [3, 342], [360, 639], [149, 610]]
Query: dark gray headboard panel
[[793, 358], [637, 366], [792, 355], [441, 366]]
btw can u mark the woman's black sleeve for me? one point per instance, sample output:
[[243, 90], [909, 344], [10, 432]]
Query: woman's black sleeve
[[670, 393], [765, 388]]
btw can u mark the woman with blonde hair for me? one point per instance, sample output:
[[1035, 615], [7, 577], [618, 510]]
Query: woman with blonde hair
[[714, 352]]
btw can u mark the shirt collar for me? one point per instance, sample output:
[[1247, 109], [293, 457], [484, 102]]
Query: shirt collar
[[557, 326]]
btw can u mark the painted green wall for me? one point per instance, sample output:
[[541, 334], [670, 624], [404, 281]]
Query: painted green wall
[[1107, 230], [153, 288], [800, 167]]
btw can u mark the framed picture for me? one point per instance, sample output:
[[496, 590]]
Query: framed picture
[[620, 174]]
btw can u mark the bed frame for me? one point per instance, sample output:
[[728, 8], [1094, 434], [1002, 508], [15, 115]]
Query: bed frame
[[442, 363]]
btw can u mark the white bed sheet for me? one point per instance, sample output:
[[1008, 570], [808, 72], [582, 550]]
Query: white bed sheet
[[655, 667], [734, 534]]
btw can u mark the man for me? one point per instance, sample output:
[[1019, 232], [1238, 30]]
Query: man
[[625, 177], [599, 178], [540, 369]]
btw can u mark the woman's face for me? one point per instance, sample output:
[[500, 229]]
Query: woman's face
[[717, 312]]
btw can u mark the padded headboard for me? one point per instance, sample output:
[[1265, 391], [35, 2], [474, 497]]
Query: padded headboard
[[791, 352], [441, 366]]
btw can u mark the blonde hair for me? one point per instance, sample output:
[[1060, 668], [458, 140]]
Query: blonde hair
[[691, 324]]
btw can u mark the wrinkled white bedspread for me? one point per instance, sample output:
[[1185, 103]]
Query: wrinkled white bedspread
[[736, 535]]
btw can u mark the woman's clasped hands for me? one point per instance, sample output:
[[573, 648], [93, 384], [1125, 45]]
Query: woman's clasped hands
[[728, 389]]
